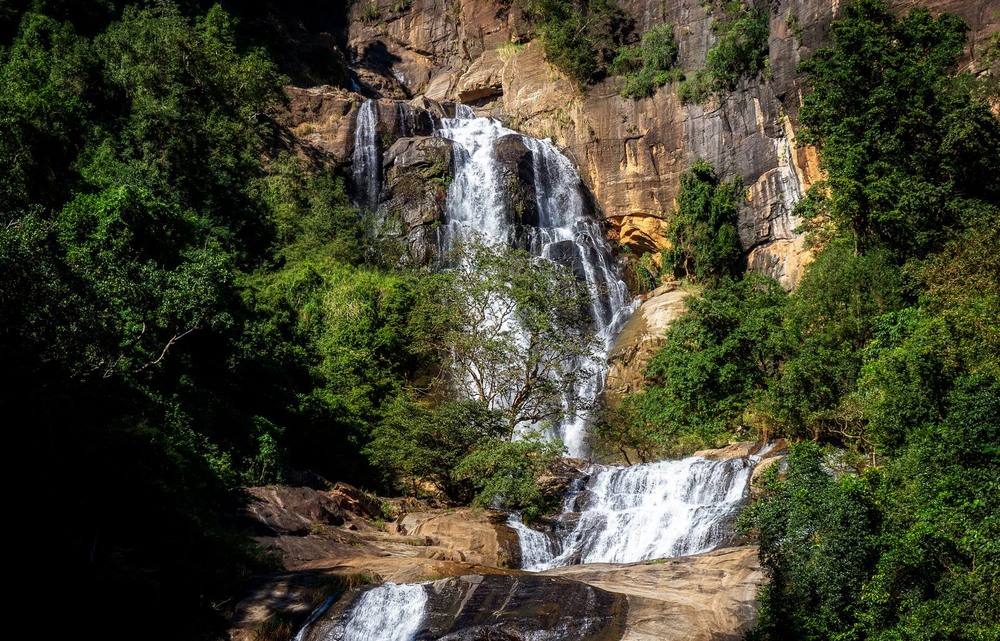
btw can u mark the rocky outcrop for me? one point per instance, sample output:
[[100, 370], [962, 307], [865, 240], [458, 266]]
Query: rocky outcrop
[[294, 511], [473, 536], [517, 176], [707, 597], [630, 153], [514, 608], [640, 338], [417, 174]]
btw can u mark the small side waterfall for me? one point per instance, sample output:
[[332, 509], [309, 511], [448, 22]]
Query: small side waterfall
[[563, 233], [649, 511], [367, 159], [389, 612]]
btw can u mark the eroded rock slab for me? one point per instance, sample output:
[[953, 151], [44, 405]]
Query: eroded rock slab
[[512, 608], [706, 597], [640, 338]]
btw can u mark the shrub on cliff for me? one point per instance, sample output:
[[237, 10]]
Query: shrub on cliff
[[581, 37], [649, 64], [740, 50], [704, 241]]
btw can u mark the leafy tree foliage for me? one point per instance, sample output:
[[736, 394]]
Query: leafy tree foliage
[[741, 46], [129, 158], [508, 329], [891, 335], [906, 156], [505, 473], [904, 551], [649, 64], [581, 37], [716, 358], [938, 573], [817, 537], [704, 242], [415, 444], [831, 318]]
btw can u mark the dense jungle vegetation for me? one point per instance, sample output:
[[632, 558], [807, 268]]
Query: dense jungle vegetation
[[187, 310], [883, 364]]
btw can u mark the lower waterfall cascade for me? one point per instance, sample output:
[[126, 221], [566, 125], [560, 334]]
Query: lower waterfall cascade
[[642, 512], [389, 612]]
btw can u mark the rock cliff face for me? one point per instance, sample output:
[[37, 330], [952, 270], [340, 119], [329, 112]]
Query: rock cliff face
[[630, 153], [420, 56]]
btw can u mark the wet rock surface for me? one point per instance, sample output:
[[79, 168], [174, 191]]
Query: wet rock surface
[[512, 608], [707, 597], [417, 174]]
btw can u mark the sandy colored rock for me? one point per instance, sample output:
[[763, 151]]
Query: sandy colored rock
[[474, 536], [706, 597], [733, 450], [482, 80], [640, 338]]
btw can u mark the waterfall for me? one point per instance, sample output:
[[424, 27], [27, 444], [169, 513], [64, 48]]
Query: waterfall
[[649, 511], [315, 614], [564, 233], [367, 159], [537, 548], [389, 612]]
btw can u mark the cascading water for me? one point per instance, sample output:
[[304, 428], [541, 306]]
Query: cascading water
[[389, 612], [631, 514], [564, 233], [367, 159], [654, 510]]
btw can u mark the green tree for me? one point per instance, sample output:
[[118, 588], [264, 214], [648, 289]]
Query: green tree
[[904, 157], [508, 329], [830, 319], [128, 164], [939, 570], [415, 445], [505, 473], [818, 542], [45, 110], [704, 241], [716, 358]]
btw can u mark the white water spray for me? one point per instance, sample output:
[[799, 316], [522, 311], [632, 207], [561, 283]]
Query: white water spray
[[649, 511], [367, 159], [389, 612], [476, 209]]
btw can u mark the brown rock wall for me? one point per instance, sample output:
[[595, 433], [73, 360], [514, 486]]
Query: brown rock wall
[[472, 536], [640, 338], [631, 153]]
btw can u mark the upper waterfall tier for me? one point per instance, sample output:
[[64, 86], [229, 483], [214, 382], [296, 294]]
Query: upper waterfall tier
[[559, 228], [509, 189]]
